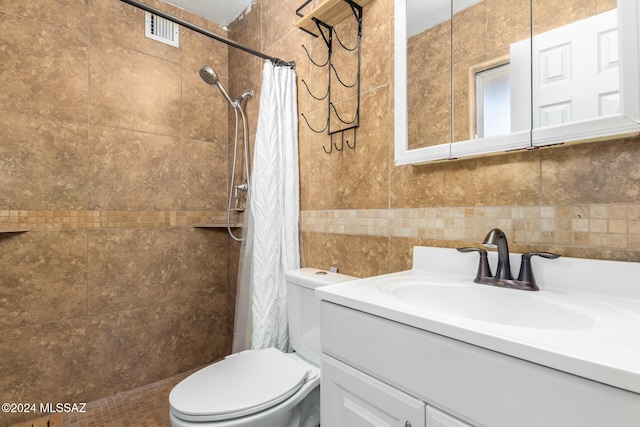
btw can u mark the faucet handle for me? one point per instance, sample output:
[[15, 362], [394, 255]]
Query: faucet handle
[[549, 255], [526, 272], [483, 266]]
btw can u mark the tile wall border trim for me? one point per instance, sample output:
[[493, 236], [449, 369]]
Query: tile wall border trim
[[598, 226], [48, 220]]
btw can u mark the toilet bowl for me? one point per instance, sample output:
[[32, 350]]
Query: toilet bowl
[[263, 388], [251, 388]]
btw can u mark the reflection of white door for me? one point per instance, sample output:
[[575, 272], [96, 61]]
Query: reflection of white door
[[575, 71]]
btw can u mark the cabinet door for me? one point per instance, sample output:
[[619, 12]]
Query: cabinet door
[[437, 418], [351, 398]]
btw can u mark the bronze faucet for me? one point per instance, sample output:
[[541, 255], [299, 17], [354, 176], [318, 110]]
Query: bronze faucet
[[503, 278]]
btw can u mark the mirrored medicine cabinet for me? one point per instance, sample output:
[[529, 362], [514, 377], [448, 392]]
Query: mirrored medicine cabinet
[[475, 77]]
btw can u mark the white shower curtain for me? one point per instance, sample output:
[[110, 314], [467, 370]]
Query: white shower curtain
[[271, 244]]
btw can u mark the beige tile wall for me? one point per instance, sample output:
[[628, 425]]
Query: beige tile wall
[[100, 305], [363, 214], [108, 152]]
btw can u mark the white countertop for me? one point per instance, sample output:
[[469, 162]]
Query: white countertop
[[607, 293]]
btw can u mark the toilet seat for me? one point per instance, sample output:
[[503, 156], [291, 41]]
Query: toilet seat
[[240, 385]]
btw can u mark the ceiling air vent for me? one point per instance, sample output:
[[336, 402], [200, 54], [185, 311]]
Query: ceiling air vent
[[160, 29]]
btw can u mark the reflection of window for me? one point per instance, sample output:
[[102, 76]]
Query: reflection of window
[[493, 106], [490, 98]]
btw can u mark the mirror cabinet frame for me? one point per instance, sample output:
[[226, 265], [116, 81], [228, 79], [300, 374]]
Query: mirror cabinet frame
[[625, 123]]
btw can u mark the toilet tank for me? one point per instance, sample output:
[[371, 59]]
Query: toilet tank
[[303, 309]]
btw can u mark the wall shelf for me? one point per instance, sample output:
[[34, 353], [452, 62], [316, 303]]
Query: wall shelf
[[14, 229], [330, 12], [215, 225]]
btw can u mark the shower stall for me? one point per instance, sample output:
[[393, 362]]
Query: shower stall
[[271, 237], [111, 152]]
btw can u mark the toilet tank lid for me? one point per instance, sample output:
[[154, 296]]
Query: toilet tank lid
[[312, 277]]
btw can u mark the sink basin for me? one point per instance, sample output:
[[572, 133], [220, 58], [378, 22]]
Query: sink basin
[[584, 320], [490, 304]]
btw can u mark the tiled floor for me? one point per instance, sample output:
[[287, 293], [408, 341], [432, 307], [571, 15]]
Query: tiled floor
[[146, 406]]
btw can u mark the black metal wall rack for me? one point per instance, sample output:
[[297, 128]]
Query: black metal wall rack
[[320, 23]]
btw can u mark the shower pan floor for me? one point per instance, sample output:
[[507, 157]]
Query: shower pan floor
[[146, 406]]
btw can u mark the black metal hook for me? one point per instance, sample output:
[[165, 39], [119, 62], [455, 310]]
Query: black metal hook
[[354, 139], [341, 145], [343, 141], [330, 147]]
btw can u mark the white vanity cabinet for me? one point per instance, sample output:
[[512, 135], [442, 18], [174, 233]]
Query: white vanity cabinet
[[379, 372], [351, 398]]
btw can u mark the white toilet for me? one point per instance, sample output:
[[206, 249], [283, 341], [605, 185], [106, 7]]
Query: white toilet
[[263, 388]]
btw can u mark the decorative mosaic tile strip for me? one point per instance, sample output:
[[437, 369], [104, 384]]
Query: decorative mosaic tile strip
[[615, 226], [88, 219]]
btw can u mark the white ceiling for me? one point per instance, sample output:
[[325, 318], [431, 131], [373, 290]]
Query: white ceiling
[[223, 12]]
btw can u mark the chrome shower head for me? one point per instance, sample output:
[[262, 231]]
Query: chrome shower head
[[211, 77]]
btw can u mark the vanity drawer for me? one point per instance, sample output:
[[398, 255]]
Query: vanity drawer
[[351, 398], [479, 386], [437, 418]]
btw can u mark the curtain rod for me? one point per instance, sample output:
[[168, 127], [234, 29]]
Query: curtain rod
[[176, 20]]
